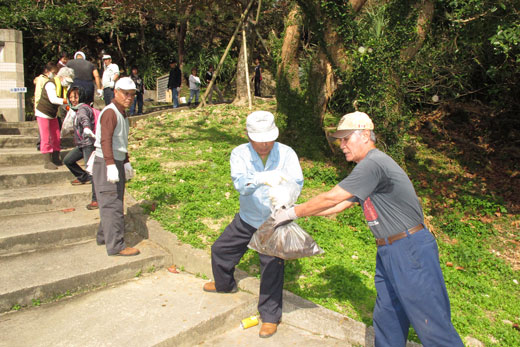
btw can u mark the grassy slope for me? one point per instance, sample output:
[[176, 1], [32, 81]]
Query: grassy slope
[[182, 163]]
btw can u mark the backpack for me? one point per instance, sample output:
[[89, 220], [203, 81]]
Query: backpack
[[96, 113]]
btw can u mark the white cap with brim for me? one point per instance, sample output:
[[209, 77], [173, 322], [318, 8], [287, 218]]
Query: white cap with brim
[[261, 127], [351, 122], [106, 56], [125, 83]]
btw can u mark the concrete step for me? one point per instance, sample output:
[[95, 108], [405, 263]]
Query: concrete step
[[25, 141], [45, 275], [32, 175], [22, 233], [50, 197], [157, 309], [286, 335], [24, 156], [31, 124], [28, 131]]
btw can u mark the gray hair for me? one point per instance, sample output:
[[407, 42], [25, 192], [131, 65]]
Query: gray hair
[[372, 135], [66, 72]]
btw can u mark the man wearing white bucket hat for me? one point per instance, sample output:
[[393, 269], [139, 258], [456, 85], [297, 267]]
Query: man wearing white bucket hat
[[409, 281], [112, 168], [255, 166]]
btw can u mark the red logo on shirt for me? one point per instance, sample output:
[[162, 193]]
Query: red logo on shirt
[[369, 210]]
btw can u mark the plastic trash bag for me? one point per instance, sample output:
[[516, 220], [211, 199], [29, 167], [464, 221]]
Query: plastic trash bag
[[288, 241], [67, 126]]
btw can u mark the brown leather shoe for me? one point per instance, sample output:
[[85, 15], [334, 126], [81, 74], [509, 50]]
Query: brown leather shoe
[[268, 330], [210, 287], [129, 251]]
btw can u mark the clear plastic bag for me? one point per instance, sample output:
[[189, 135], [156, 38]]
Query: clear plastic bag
[[288, 241], [67, 126]]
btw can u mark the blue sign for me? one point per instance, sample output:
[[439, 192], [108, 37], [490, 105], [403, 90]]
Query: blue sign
[[18, 90]]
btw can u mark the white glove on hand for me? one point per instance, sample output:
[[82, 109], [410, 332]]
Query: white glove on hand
[[178, 89], [284, 216], [270, 178], [129, 171], [100, 92], [112, 173], [88, 132]]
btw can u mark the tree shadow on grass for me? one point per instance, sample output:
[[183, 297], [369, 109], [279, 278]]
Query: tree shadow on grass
[[340, 289]]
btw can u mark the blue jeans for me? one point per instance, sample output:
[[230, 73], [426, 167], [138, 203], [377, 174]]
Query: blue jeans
[[411, 290], [196, 93], [175, 97], [139, 101]]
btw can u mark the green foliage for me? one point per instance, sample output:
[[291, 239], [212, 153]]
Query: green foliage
[[189, 159]]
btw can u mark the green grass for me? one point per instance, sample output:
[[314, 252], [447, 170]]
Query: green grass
[[182, 164]]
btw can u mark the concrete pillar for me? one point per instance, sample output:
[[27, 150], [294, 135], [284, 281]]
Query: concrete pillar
[[11, 75]]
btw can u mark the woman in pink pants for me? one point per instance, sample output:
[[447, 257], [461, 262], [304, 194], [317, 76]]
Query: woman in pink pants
[[48, 125]]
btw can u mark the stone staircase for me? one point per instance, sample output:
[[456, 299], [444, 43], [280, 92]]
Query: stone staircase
[[47, 246], [58, 288]]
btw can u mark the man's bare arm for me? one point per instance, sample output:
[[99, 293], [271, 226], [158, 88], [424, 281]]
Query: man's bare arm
[[327, 203]]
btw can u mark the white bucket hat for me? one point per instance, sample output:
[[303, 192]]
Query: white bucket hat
[[80, 53], [261, 127]]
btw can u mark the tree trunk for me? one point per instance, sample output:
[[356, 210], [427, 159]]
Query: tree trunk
[[289, 66], [424, 19], [241, 97], [334, 50], [185, 8]]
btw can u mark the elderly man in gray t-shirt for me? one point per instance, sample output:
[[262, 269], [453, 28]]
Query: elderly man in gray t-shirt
[[409, 281]]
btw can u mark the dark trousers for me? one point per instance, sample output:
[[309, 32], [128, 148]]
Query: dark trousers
[[411, 290], [139, 101], [110, 200], [71, 161], [226, 253], [257, 87], [108, 95]]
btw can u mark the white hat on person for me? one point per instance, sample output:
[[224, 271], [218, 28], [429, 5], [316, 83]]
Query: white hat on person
[[125, 83], [80, 53], [261, 127], [106, 56], [352, 122]]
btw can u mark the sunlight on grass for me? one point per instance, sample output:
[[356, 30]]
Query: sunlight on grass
[[182, 164]]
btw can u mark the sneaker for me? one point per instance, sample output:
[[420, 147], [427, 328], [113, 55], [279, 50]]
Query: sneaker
[[93, 205]]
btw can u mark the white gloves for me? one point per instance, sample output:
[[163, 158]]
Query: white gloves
[[112, 173], [129, 171], [100, 92], [284, 216], [270, 178], [178, 89], [88, 132]]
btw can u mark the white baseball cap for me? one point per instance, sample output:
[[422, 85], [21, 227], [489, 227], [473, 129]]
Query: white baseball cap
[[125, 83], [261, 127], [106, 56], [352, 122]]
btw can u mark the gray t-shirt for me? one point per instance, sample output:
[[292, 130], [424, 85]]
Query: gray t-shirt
[[82, 69], [385, 193]]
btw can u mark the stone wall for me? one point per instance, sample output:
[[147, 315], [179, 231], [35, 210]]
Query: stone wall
[[11, 75]]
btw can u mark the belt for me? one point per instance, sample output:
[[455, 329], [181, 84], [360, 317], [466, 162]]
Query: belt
[[401, 235]]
